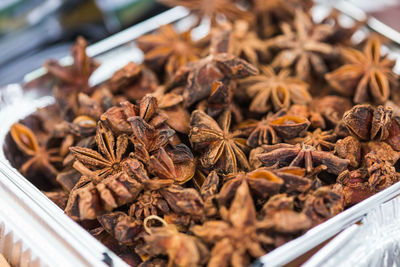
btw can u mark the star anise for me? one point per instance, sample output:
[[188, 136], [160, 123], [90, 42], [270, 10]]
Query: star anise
[[262, 184], [239, 40], [59, 197], [171, 104], [168, 49], [273, 128], [209, 191], [40, 158], [146, 139], [186, 201], [368, 123], [302, 155], [72, 79], [349, 148], [109, 160], [355, 186], [280, 90], [93, 196], [212, 9], [121, 226], [150, 202], [302, 46], [76, 76], [281, 218], [382, 174], [181, 249], [199, 76], [218, 147], [133, 81], [321, 140], [330, 108], [271, 13], [322, 204], [237, 238], [367, 75]]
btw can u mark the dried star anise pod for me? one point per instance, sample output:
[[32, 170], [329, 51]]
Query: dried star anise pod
[[199, 77], [150, 202], [209, 191], [181, 249], [212, 9], [316, 119], [237, 238], [271, 13], [117, 117], [184, 200], [366, 76], [322, 204], [76, 76], [355, 186], [171, 104], [151, 148], [239, 40], [368, 123], [321, 140], [59, 197], [273, 128], [382, 174], [93, 196], [280, 217], [262, 184], [278, 89], [109, 161], [302, 46], [147, 139], [218, 147], [168, 49], [72, 79], [301, 155], [181, 200], [133, 81], [349, 148], [219, 99], [40, 158], [330, 108], [121, 226]]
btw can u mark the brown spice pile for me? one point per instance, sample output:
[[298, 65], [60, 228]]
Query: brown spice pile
[[218, 151]]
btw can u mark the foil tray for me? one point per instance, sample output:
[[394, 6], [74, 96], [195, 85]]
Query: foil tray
[[29, 237], [76, 245], [375, 241]]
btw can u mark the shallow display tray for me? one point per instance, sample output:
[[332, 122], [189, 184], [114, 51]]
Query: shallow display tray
[[17, 103]]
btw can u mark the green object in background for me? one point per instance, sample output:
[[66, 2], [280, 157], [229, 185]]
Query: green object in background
[[13, 13], [120, 13]]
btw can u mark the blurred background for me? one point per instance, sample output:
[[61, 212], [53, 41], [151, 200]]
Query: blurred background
[[34, 30]]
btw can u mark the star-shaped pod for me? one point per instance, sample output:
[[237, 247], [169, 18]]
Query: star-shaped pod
[[301, 155], [109, 160], [273, 128], [237, 238], [275, 90], [199, 77], [168, 49], [218, 147], [366, 76], [301, 46]]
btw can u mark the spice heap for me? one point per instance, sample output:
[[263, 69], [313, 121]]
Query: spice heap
[[215, 152]]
